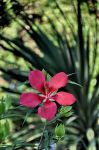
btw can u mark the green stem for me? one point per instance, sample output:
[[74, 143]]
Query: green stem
[[42, 135]]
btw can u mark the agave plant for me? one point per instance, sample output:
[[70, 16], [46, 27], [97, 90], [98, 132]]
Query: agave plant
[[75, 57]]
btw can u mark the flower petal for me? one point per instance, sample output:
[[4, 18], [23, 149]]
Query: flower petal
[[48, 111], [57, 81], [37, 80], [64, 98], [30, 99]]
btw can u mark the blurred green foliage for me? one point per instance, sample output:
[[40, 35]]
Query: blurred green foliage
[[5, 123], [55, 36]]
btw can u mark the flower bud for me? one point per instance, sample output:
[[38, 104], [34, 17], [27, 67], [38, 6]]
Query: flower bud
[[66, 111], [60, 130]]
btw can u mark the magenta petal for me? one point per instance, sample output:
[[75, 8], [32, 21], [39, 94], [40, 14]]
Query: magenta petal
[[30, 99], [48, 111], [64, 98], [57, 81], [37, 80]]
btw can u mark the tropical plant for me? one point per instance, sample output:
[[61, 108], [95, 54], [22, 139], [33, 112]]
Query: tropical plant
[[68, 53]]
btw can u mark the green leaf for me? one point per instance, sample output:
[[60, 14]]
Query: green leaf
[[23, 83], [72, 82], [27, 115], [2, 107], [8, 102]]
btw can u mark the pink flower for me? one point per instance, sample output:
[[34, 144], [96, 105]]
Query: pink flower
[[48, 94]]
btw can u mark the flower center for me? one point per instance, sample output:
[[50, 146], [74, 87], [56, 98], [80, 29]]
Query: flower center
[[48, 96]]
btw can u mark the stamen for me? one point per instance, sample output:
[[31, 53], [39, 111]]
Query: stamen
[[51, 99], [54, 93]]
